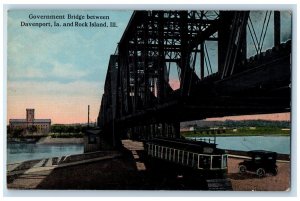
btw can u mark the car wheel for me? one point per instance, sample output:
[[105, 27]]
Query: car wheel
[[242, 168], [275, 171], [260, 172]]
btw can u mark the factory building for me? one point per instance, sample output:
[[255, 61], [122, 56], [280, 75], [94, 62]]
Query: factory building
[[30, 124]]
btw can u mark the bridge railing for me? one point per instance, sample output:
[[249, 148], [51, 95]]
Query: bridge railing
[[207, 140]]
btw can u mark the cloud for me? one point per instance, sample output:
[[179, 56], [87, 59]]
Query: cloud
[[68, 70], [48, 59], [60, 54], [77, 88], [58, 71]]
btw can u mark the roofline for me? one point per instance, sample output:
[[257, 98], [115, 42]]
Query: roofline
[[25, 120]]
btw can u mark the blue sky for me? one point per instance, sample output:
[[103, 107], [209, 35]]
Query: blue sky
[[48, 67], [59, 71], [257, 18]]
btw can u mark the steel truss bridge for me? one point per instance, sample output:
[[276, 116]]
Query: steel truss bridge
[[143, 100]]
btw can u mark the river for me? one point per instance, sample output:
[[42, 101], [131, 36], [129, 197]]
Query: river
[[279, 144], [18, 152]]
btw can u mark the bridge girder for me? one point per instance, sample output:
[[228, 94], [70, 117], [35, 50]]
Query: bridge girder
[[138, 93]]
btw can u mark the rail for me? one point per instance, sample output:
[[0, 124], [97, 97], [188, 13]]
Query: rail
[[207, 140]]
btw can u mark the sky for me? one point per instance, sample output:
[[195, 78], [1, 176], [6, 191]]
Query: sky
[[59, 71], [257, 19], [272, 117]]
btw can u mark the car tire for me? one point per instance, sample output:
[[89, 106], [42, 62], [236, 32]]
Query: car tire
[[260, 172], [242, 169], [275, 171]]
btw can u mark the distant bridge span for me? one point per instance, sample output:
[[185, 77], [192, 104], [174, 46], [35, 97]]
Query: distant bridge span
[[140, 95]]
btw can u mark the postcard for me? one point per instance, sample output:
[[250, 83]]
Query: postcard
[[149, 99]]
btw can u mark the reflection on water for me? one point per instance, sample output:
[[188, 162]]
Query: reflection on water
[[279, 144], [17, 152]]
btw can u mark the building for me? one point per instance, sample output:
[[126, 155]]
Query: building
[[30, 124], [92, 140]]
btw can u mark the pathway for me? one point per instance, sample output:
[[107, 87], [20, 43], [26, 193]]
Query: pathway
[[58, 162]]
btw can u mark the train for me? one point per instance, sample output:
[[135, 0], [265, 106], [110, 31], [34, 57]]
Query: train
[[200, 156]]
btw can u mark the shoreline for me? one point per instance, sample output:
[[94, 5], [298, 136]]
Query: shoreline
[[235, 135], [47, 140], [123, 173]]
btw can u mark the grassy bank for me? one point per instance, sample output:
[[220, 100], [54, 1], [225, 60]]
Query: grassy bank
[[66, 135], [38, 136], [258, 131]]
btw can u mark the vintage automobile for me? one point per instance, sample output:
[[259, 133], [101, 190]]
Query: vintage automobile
[[261, 162]]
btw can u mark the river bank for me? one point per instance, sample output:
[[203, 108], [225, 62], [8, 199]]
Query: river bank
[[232, 134], [121, 174], [130, 171], [51, 140], [46, 140], [238, 132]]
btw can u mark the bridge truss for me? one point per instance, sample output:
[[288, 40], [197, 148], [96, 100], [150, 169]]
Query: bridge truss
[[142, 99]]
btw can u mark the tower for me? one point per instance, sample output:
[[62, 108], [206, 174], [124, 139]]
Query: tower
[[29, 115]]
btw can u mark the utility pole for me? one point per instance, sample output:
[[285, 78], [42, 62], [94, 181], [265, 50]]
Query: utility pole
[[88, 116]]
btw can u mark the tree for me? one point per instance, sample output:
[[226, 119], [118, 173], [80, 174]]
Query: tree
[[17, 132]]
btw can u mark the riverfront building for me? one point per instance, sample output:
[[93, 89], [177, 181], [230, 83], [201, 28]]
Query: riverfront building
[[30, 123]]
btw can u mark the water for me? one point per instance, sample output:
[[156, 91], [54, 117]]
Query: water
[[279, 144], [18, 152]]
